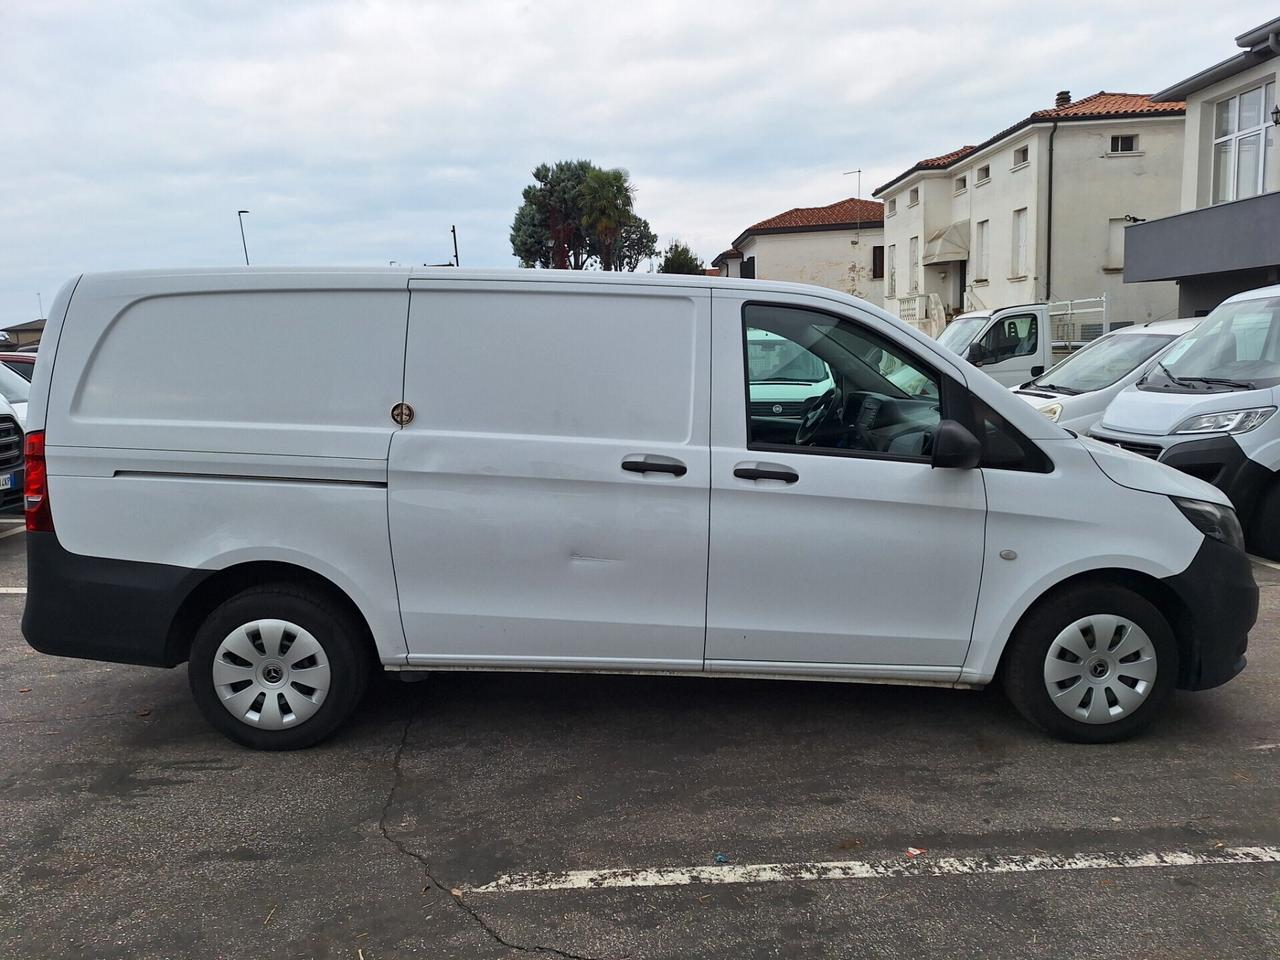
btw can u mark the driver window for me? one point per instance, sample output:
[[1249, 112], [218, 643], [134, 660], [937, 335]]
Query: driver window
[[827, 384], [1010, 337]]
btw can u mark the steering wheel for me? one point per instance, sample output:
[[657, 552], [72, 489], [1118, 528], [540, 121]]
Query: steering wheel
[[819, 412]]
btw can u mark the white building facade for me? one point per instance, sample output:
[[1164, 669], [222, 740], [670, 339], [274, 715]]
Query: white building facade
[[840, 246], [1036, 213]]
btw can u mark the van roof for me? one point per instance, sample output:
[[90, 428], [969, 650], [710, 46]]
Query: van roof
[[1178, 326], [1262, 293]]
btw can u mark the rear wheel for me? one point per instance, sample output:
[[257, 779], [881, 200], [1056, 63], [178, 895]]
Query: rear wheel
[[1092, 664], [278, 667]]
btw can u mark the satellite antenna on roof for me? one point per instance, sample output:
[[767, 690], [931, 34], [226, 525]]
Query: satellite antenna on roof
[[858, 225]]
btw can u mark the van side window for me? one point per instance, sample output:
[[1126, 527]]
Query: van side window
[[1011, 337], [1003, 446], [825, 384]]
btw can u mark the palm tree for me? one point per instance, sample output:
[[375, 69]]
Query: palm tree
[[606, 200]]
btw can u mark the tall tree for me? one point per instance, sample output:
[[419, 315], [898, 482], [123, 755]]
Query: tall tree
[[575, 215], [678, 258]]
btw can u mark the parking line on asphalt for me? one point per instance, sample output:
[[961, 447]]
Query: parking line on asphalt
[[1264, 563], [869, 870], [14, 532], [13, 589]]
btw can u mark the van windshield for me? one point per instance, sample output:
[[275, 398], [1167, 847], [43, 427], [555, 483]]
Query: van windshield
[[1102, 363], [1237, 347], [14, 387], [778, 360], [961, 332]]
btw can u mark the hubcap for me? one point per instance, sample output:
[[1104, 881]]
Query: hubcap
[[1101, 668], [271, 674]]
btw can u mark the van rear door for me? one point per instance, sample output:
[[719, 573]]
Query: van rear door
[[549, 498]]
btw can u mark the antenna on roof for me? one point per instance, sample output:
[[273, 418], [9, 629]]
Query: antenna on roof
[[858, 227], [40, 303]]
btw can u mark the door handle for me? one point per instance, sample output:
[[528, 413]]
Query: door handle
[[645, 465], [785, 474]]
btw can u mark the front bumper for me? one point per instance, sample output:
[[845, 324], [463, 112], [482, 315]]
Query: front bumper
[[1219, 601]]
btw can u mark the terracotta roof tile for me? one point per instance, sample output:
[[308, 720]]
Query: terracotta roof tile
[[1099, 106], [851, 211]]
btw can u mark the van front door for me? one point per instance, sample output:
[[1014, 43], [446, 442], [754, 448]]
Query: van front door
[[549, 498], [837, 549], [1011, 349]]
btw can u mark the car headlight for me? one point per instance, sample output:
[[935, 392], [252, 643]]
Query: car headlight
[[1052, 410], [1213, 520], [1232, 421]]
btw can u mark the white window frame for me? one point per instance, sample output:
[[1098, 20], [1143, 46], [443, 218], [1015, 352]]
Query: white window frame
[[1113, 152], [913, 249], [1023, 149], [891, 271], [982, 249], [913, 196], [1236, 135], [961, 183], [983, 177], [1018, 251], [891, 206]]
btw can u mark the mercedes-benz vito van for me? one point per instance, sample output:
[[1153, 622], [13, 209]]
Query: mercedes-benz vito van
[[542, 470], [1208, 408]]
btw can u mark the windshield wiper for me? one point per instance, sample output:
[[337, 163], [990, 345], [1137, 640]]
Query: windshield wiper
[[1222, 381], [1169, 373], [1053, 386]]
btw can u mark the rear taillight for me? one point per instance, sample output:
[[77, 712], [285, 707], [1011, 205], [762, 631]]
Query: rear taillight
[[36, 490]]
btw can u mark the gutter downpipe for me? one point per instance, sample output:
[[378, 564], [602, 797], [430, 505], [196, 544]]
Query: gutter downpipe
[[1048, 263]]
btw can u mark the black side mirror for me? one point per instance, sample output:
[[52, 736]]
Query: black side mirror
[[976, 355], [955, 447]]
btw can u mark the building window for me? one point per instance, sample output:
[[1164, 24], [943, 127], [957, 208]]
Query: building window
[[914, 197], [891, 207], [1115, 244], [1021, 155], [1124, 143], [984, 173], [877, 263], [891, 282], [980, 256], [1019, 251], [962, 184], [1243, 143], [913, 264]]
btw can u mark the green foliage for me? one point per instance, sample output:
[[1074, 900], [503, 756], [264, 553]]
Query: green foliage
[[576, 215], [678, 258]]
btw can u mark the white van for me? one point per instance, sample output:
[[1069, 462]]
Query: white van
[[1075, 392], [541, 470], [1208, 408], [1012, 344]]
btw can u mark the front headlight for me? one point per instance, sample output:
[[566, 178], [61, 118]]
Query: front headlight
[[1213, 520], [1232, 421], [1052, 410]]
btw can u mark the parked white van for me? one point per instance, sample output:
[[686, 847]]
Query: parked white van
[[541, 470], [1208, 408], [1012, 344], [1075, 391]]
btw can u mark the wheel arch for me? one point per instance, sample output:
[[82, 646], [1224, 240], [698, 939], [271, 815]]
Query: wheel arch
[[225, 583], [1152, 589]]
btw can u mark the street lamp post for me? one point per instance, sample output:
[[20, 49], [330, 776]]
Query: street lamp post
[[240, 216]]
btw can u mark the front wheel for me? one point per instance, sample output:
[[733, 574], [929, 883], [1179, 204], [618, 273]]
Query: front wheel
[[1092, 664], [278, 667]]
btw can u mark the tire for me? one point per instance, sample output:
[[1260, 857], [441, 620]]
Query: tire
[[1141, 668], [1264, 531], [278, 667]]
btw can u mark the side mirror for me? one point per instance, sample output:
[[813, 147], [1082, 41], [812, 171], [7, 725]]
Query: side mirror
[[955, 447], [976, 354]]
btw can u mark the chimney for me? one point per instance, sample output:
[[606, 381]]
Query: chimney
[[1063, 99]]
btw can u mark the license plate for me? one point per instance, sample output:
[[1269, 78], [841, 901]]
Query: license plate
[[10, 480]]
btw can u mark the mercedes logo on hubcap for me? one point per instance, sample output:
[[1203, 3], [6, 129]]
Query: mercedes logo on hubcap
[[272, 673]]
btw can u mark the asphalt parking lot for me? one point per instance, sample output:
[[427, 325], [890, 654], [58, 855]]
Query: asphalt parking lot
[[131, 829]]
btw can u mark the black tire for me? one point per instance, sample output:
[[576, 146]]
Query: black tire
[[1264, 531], [1029, 647], [338, 634]]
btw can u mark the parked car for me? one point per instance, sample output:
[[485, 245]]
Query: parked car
[[11, 458], [784, 378], [1075, 391], [288, 519], [15, 389], [1208, 408], [23, 364], [1012, 345]]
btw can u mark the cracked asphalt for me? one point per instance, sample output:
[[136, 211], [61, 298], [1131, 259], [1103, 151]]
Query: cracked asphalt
[[131, 829]]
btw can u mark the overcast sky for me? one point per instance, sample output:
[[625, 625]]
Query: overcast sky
[[357, 133]]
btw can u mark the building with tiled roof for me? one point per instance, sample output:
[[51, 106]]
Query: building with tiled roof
[[1037, 211], [839, 245]]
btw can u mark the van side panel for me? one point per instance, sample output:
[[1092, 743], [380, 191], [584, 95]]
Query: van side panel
[[202, 421]]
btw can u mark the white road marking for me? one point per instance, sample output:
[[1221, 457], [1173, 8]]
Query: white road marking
[[868, 870], [14, 532], [22, 520], [1264, 563], [13, 589], [1265, 746]]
